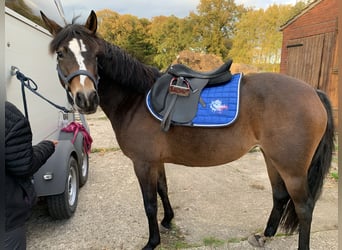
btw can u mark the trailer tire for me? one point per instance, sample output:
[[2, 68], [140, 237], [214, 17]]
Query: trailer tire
[[84, 169], [63, 206]]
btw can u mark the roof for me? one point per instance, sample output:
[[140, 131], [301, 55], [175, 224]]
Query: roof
[[305, 10]]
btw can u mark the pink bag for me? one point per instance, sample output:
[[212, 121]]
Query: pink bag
[[75, 128]]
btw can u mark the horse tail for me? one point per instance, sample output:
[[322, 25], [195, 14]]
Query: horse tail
[[321, 161], [319, 168]]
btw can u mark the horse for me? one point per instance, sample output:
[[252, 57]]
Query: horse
[[289, 120]]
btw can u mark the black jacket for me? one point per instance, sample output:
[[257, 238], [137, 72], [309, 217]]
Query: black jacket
[[22, 160]]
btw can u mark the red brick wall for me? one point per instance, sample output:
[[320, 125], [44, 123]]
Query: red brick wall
[[321, 19]]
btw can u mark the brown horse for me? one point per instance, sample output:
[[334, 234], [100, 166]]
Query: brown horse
[[289, 120]]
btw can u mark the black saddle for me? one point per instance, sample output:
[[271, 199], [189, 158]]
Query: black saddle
[[218, 75], [176, 94]]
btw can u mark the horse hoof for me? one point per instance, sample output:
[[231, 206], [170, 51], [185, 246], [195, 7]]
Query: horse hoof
[[166, 225], [164, 229], [148, 247], [257, 240]]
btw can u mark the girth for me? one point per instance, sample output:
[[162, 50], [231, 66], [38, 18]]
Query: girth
[[176, 94]]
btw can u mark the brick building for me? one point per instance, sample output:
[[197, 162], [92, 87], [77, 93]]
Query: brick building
[[309, 49]]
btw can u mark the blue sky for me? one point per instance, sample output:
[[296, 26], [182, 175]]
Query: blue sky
[[140, 8]]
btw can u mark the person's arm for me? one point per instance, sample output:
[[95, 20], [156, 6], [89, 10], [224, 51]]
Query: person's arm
[[23, 159], [41, 152]]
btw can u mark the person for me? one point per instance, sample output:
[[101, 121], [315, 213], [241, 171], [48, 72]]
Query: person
[[22, 160]]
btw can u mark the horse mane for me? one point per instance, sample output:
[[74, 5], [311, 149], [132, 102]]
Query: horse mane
[[126, 70]]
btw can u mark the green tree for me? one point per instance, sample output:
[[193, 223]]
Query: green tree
[[214, 25], [106, 24], [168, 36], [128, 32], [257, 40]]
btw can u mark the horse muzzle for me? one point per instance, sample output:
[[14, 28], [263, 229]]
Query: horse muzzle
[[86, 102]]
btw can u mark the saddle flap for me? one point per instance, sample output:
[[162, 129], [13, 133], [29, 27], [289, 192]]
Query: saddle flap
[[184, 108], [159, 92]]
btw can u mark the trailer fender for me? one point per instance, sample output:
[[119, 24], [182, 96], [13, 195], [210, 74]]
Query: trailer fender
[[78, 144], [50, 178]]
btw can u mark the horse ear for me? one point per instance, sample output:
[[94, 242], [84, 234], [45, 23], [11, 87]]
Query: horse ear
[[91, 23], [52, 26]]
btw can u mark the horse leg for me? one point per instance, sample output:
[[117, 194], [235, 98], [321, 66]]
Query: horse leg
[[304, 205], [163, 193], [294, 212], [147, 175], [280, 199]]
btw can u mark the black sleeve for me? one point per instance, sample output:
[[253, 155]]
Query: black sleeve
[[41, 152], [21, 158]]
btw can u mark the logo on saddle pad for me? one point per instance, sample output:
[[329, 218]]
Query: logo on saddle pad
[[216, 106]]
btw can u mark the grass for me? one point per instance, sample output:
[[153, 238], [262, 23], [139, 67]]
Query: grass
[[333, 171], [102, 118], [104, 150], [334, 175], [174, 239], [237, 240], [99, 118], [212, 241]]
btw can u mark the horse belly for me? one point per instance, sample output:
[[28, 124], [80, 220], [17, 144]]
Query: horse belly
[[205, 158], [206, 147]]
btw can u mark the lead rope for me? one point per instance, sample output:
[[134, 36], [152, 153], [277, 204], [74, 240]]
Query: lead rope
[[33, 87]]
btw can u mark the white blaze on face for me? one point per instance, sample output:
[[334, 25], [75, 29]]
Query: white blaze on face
[[77, 46]]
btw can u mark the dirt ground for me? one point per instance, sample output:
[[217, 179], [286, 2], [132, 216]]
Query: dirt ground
[[215, 208]]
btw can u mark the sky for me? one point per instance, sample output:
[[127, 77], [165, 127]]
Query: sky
[[139, 8]]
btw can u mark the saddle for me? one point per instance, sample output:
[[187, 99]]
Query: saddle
[[176, 94]]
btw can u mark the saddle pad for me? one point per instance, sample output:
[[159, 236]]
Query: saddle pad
[[221, 105]]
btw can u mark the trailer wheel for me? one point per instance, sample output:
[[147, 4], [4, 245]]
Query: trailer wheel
[[63, 206], [84, 169]]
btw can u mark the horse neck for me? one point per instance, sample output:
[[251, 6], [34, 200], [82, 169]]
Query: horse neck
[[123, 69], [124, 81]]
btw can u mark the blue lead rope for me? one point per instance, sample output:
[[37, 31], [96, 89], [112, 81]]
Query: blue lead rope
[[33, 87]]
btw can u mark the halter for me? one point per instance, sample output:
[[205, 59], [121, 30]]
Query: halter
[[66, 80]]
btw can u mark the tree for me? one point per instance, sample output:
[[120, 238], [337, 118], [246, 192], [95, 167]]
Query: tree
[[23, 9], [128, 32], [214, 25], [257, 40], [106, 24], [168, 35], [219, 27]]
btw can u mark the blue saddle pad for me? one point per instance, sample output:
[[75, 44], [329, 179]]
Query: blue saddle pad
[[221, 105]]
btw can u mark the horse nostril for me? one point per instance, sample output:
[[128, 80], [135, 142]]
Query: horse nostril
[[94, 98], [80, 100], [87, 102]]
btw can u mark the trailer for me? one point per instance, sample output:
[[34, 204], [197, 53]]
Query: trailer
[[26, 51]]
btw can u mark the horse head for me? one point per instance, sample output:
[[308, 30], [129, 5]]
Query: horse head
[[77, 47]]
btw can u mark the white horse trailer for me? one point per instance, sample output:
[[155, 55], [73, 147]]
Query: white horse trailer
[[26, 50]]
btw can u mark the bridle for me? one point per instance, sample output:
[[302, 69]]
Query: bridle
[[66, 80]]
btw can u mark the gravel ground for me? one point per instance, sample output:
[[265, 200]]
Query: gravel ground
[[220, 206]]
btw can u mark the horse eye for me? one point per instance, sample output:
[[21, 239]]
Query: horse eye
[[59, 54]]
